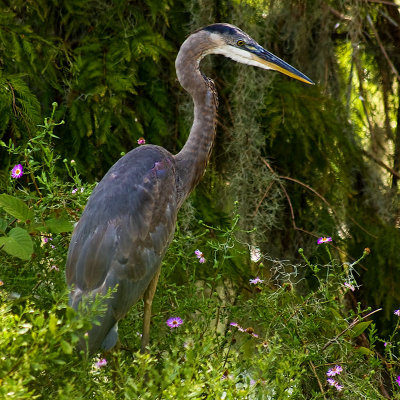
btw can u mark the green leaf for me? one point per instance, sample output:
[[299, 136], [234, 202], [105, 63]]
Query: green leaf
[[16, 207], [18, 243], [53, 324], [359, 328], [3, 225], [365, 351], [70, 313], [66, 347], [58, 225]]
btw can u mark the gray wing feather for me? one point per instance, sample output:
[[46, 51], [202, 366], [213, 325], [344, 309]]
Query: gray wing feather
[[123, 233]]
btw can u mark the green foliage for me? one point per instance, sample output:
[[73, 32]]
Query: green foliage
[[302, 162], [17, 243], [281, 343], [109, 66], [237, 340], [40, 167], [39, 348]]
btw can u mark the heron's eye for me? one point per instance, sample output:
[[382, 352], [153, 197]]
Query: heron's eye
[[240, 42]]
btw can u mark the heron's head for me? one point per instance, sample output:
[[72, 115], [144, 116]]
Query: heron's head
[[232, 42]]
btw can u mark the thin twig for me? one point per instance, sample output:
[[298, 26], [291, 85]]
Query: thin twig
[[383, 50], [354, 323], [309, 188], [286, 194], [381, 163], [264, 196], [316, 376], [338, 13], [317, 194], [389, 3]]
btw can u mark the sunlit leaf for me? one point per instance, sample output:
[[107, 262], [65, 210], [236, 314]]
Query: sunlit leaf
[[16, 207], [58, 225], [18, 243], [365, 351], [66, 347], [359, 328]]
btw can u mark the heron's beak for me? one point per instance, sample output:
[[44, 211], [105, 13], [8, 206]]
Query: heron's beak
[[270, 61]]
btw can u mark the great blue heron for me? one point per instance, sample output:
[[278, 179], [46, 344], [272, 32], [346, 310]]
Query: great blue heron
[[129, 220]]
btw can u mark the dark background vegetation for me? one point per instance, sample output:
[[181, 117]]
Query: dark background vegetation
[[301, 161]]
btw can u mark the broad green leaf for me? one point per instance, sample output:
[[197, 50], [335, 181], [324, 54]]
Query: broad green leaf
[[365, 351], [16, 207], [53, 324], [359, 328], [70, 313], [67, 348], [3, 225], [58, 225], [18, 243]]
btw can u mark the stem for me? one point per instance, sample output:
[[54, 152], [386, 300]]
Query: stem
[[354, 323]]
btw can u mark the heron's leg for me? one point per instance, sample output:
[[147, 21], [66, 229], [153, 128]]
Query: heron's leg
[[148, 299]]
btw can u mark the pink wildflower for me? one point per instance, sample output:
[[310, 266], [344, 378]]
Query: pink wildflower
[[17, 171], [336, 370], [324, 240], [349, 286], [101, 363], [332, 382], [174, 322], [200, 256]]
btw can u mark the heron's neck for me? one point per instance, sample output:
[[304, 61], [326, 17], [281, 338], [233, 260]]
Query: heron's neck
[[193, 158]]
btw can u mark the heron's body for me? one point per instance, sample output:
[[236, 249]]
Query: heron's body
[[137, 202], [129, 220]]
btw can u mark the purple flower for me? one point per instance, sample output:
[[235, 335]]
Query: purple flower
[[141, 140], [174, 322], [54, 267], [338, 387], [397, 312], [256, 280], [200, 256], [336, 370], [398, 380], [324, 240], [236, 325], [332, 382], [349, 286], [101, 363], [17, 171], [74, 190]]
